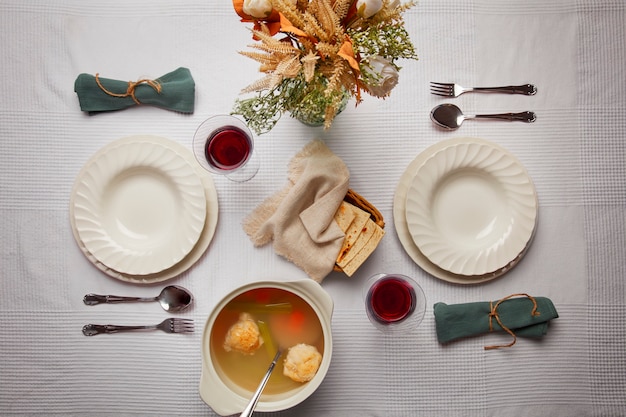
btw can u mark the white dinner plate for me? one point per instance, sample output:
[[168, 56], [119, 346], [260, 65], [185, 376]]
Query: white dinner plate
[[138, 206], [471, 208], [205, 237], [404, 235]]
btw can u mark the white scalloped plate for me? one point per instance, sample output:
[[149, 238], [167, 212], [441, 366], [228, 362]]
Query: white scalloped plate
[[206, 236], [471, 208], [404, 236], [138, 207]]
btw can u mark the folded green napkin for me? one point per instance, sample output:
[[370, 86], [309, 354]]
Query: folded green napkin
[[172, 91], [525, 317]]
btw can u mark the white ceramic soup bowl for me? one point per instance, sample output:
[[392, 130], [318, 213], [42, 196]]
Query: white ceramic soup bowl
[[227, 398]]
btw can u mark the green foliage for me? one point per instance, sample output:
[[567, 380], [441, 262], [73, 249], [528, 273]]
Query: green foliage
[[391, 41], [306, 101]]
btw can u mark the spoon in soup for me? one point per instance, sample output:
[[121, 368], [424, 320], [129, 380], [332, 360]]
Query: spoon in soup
[[172, 298], [257, 394], [449, 116]]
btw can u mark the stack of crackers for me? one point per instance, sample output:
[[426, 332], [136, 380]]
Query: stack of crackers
[[363, 226]]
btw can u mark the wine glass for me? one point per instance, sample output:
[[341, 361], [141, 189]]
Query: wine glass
[[223, 145], [394, 303]]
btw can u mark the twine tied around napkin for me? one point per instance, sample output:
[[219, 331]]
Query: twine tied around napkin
[[519, 317], [130, 91], [172, 91], [494, 314], [299, 219]]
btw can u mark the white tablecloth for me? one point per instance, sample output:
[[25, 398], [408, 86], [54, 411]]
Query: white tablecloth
[[573, 51]]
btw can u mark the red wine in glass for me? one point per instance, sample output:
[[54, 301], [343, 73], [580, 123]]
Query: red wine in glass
[[227, 148], [391, 300]]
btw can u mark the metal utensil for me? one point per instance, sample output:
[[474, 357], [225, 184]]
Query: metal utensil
[[449, 116], [172, 325], [257, 394], [455, 90], [172, 298]]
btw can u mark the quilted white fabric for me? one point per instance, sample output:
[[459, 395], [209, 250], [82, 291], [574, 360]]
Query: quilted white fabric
[[573, 51]]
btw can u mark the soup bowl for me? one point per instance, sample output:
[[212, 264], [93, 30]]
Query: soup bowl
[[225, 396]]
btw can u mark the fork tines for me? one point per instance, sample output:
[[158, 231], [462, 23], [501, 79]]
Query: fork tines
[[182, 325], [441, 89]]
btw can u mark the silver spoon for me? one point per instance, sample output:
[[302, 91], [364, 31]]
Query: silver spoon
[[172, 298], [449, 116], [247, 412]]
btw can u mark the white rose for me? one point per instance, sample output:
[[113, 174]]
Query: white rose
[[380, 76], [368, 8], [257, 8]]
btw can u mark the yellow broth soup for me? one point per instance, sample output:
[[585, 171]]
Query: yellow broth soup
[[283, 319]]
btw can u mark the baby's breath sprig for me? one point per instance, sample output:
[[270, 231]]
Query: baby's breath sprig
[[389, 41], [299, 97]]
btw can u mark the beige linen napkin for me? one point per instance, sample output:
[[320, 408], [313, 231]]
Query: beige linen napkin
[[299, 218]]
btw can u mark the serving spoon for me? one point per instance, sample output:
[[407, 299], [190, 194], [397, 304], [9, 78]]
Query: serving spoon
[[247, 412], [172, 298], [449, 116]]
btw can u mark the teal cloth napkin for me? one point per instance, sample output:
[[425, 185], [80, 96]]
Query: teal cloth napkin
[[525, 317], [172, 91]]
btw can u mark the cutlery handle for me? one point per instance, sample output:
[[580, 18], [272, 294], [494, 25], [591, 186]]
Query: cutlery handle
[[525, 116], [93, 299], [247, 412], [525, 89], [94, 329]]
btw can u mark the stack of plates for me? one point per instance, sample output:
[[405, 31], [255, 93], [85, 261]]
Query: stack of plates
[[142, 210], [465, 210]]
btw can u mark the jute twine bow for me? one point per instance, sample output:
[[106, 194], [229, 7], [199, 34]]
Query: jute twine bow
[[130, 91], [494, 314]]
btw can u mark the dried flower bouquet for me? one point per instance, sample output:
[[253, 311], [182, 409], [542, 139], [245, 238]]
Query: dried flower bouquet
[[316, 54]]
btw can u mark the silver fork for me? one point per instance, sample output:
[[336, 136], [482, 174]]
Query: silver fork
[[172, 325], [455, 90]]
